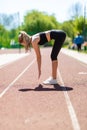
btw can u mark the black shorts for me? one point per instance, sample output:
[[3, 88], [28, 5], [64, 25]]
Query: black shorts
[[59, 37]]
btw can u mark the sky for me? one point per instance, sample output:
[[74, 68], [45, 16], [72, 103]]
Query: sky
[[60, 8]]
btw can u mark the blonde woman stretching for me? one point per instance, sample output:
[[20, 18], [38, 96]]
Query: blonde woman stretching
[[39, 39]]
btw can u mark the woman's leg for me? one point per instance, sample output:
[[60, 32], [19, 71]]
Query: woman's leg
[[54, 69], [55, 51], [53, 78]]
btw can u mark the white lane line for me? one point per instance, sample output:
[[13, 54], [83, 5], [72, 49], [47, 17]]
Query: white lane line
[[71, 110], [83, 73], [10, 85]]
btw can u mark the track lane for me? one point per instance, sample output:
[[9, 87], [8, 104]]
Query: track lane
[[36, 106], [32, 105], [10, 85], [9, 72], [70, 69]]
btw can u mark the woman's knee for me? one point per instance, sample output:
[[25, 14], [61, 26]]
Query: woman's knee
[[53, 57]]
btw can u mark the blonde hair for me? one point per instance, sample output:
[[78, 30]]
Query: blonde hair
[[24, 37]]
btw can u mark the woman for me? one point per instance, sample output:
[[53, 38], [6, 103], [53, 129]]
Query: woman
[[40, 39]]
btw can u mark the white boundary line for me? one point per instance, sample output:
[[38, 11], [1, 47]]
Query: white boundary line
[[10, 85], [71, 110]]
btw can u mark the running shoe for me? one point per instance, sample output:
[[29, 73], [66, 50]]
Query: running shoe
[[50, 81]]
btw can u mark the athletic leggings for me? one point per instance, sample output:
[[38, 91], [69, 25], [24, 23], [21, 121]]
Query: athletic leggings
[[59, 37]]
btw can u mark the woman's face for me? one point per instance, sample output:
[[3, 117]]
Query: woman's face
[[21, 40]]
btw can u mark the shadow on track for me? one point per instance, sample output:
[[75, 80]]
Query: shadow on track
[[40, 87]]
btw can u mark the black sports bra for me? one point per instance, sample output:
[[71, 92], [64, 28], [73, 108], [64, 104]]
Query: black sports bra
[[43, 38]]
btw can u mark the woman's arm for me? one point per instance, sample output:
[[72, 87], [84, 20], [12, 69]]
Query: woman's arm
[[38, 56]]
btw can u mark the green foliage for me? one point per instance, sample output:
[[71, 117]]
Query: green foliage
[[68, 28], [35, 22], [79, 24], [4, 37]]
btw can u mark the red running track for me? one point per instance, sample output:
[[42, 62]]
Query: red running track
[[27, 104]]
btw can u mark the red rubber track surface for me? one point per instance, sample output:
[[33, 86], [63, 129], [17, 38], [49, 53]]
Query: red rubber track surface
[[27, 104]]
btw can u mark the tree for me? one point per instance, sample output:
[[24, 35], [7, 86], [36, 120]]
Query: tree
[[79, 21], [4, 37], [36, 21]]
